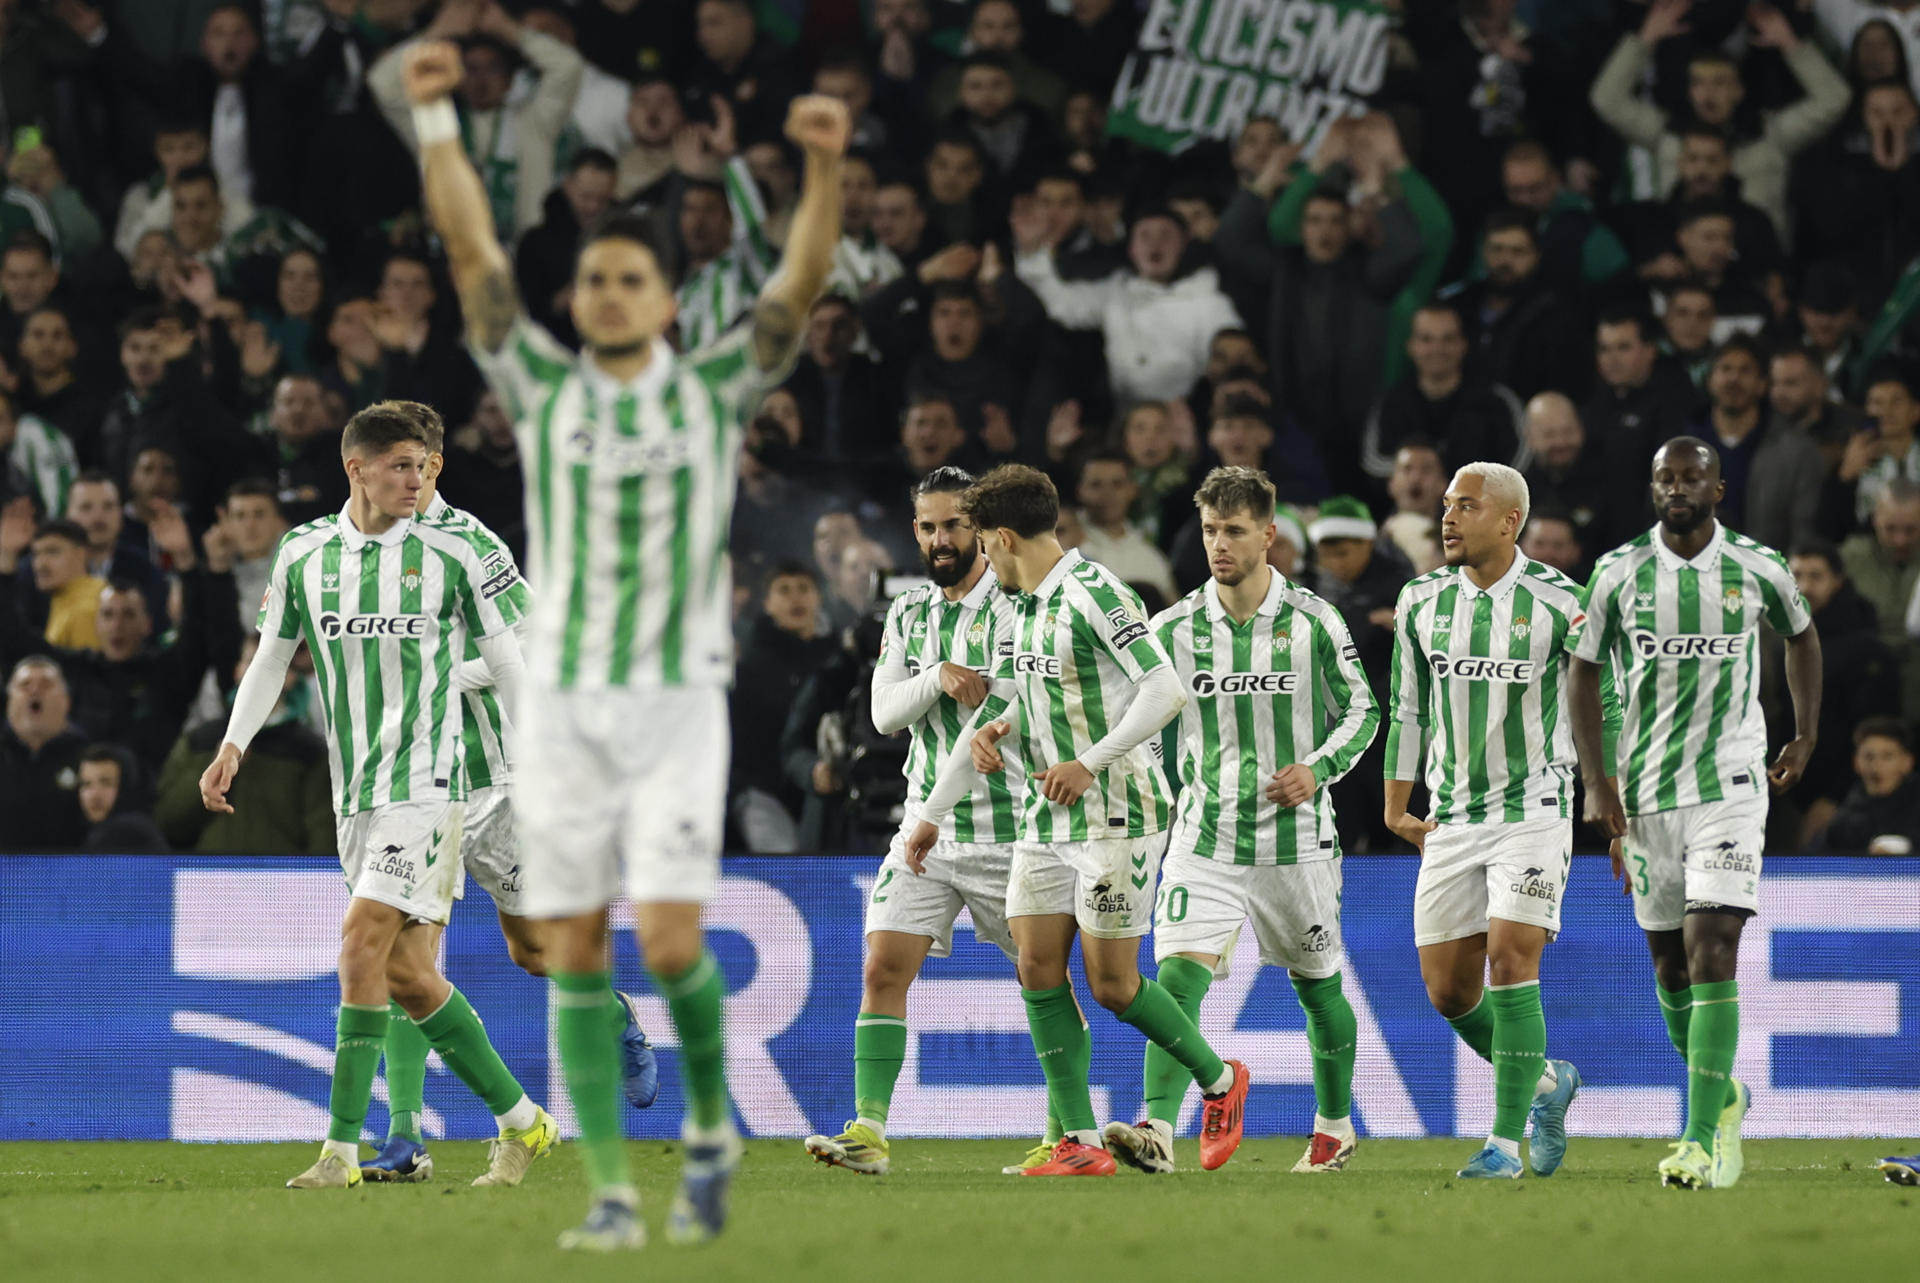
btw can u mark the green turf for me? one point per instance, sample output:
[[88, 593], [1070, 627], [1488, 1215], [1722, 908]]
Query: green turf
[[211, 1213]]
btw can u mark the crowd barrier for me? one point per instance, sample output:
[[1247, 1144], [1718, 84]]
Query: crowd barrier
[[193, 999]]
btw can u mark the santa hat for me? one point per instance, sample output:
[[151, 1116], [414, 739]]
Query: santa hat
[[1292, 529], [1343, 517]]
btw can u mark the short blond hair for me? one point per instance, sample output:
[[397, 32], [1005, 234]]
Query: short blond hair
[[1503, 485]]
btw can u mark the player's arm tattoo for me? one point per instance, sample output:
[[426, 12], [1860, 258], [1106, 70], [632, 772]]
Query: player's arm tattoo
[[776, 332], [491, 306]]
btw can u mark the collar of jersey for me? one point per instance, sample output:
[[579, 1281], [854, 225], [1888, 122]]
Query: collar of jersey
[[649, 382], [1269, 605], [1501, 586], [437, 505], [1671, 560], [976, 595], [355, 538], [1061, 569]]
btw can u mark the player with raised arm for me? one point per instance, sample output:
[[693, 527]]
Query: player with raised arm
[[936, 654], [1277, 709], [1480, 651], [384, 603], [489, 848], [1676, 615], [1088, 688], [630, 452]]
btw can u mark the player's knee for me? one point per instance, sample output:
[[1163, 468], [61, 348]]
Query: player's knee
[[670, 955], [884, 974], [1114, 990], [529, 957], [1512, 967], [1711, 959], [1451, 996], [1039, 971]]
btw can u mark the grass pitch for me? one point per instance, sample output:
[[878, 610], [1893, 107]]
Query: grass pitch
[[213, 1213]]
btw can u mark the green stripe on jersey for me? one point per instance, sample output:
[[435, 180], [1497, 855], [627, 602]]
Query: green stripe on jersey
[[1478, 682], [484, 724], [629, 500], [1082, 646], [1282, 688], [372, 614], [923, 631], [1682, 641]]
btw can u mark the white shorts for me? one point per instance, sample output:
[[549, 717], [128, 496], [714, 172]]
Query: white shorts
[[490, 850], [404, 854], [1107, 885], [973, 874], [1473, 873], [1701, 855], [1294, 908], [619, 792]]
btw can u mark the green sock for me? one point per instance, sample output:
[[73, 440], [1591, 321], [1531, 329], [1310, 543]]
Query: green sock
[[1713, 1035], [356, 1041], [696, 1000], [457, 1034], [1166, 1081], [1332, 1032], [879, 1049], [1058, 1040], [1519, 1055], [1476, 1027], [1054, 1130], [590, 1059], [1079, 1060], [1157, 1014], [1676, 1006], [616, 1011], [406, 1072]]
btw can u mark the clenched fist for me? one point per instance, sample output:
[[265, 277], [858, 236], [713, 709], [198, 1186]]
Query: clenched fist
[[819, 125], [432, 71]]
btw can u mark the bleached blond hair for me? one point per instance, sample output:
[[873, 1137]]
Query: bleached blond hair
[[1502, 485]]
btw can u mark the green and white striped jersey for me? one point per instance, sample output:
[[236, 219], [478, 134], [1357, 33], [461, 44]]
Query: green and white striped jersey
[[44, 458], [484, 724], [716, 295], [1284, 687], [924, 630], [1682, 638], [1080, 646], [1480, 677], [629, 490], [384, 617]]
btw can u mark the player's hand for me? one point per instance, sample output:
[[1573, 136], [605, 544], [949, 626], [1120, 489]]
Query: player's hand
[[218, 778], [820, 126], [1604, 811], [1413, 829], [1791, 764], [985, 747], [1617, 857], [919, 844], [432, 71], [1292, 785], [963, 684], [1065, 783]]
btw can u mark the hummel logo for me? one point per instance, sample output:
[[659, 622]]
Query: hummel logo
[[433, 852]]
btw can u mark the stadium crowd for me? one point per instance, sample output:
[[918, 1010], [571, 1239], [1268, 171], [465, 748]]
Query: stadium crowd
[[1565, 232]]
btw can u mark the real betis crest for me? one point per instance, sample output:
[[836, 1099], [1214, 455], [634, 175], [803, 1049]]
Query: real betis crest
[[1733, 601], [1282, 641], [1521, 627], [411, 579]]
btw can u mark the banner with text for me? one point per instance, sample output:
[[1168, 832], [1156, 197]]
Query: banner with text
[[193, 999], [1203, 68]]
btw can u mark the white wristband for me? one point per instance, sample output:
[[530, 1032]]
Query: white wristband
[[435, 123]]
